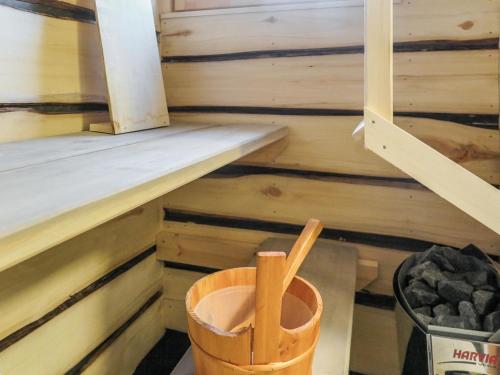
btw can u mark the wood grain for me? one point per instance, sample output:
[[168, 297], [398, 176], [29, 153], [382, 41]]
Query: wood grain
[[391, 209], [283, 28], [220, 247], [460, 81], [83, 326], [136, 96], [26, 296], [268, 298], [311, 147], [97, 203]]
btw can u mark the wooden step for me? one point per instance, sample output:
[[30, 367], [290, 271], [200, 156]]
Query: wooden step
[[56, 188]]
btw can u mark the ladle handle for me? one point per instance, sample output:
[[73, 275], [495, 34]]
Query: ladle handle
[[299, 251], [268, 293]]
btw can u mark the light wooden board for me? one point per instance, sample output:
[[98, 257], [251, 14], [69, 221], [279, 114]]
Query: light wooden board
[[23, 125], [110, 184], [460, 82], [379, 90], [403, 210], [311, 147], [39, 151], [125, 354], [283, 28], [37, 286], [132, 63], [84, 326]]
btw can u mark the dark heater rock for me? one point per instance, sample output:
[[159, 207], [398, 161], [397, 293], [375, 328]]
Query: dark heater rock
[[424, 319], [484, 301], [444, 309], [455, 291], [492, 322], [454, 276], [424, 310], [419, 294], [477, 278], [432, 277], [488, 288], [467, 311], [417, 271], [452, 322], [442, 262]]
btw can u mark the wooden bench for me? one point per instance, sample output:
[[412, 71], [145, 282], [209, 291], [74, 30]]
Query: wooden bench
[[55, 188]]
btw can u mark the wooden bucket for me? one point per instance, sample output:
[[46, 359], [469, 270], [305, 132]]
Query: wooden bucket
[[222, 300]]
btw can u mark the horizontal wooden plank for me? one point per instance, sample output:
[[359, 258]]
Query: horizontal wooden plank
[[405, 210], [23, 125], [224, 247], [85, 325], [39, 285], [109, 185], [325, 143], [369, 325], [131, 346], [456, 82], [49, 60], [262, 29], [40, 151]]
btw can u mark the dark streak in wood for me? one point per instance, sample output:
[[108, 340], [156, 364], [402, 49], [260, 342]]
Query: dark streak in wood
[[54, 108], [418, 46], [53, 8], [73, 299], [94, 354], [362, 297], [483, 121], [235, 171], [378, 240]]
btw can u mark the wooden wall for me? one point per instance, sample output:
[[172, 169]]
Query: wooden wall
[[51, 68], [302, 65], [91, 304]]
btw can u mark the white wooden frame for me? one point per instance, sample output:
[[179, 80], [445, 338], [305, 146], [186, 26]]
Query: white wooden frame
[[446, 178]]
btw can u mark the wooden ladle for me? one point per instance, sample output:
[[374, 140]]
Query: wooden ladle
[[299, 252]]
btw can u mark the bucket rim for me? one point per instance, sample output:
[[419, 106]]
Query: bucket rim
[[313, 321]]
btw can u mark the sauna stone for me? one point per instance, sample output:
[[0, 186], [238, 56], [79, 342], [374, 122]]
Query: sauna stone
[[444, 309], [455, 291], [484, 301], [420, 294], [452, 322], [468, 312], [492, 322], [424, 310]]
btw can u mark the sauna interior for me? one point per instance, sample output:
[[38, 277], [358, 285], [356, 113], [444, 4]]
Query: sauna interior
[[233, 124]]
